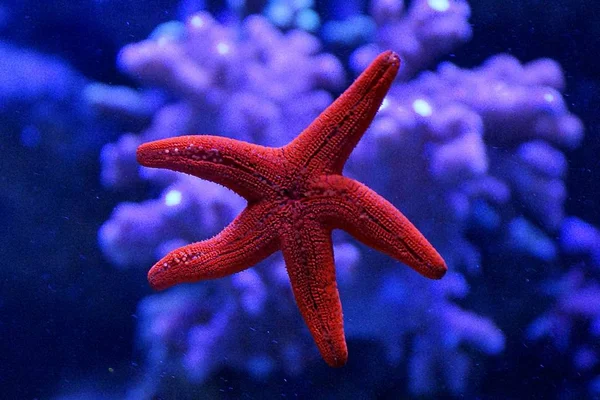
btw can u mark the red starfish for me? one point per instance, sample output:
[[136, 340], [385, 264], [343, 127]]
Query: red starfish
[[296, 196]]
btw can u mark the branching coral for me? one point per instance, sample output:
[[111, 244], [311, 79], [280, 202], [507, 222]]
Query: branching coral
[[425, 31], [37, 93], [456, 150], [572, 324]]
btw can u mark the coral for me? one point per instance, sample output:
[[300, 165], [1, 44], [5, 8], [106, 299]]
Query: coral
[[229, 80], [293, 13], [37, 94], [211, 82], [572, 324], [425, 31], [248, 322], [457, 150], [449, 126]]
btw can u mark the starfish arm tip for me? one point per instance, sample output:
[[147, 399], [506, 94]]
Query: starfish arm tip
[[431, 264], [143, 154], [339, 361], [438, 270], [391, 56], [157, 279]]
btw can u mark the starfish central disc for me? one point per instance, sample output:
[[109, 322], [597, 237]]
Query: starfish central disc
[[296, 196]]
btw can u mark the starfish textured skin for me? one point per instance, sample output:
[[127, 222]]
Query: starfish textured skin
[[296, 196]]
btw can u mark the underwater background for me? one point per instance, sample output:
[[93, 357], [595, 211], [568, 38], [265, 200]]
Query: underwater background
[[488, 141]]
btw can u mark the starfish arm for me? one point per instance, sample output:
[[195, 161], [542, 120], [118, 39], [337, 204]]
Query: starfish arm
[[349, 205], [245, 168], [308, 255], [249, 239], [329, 140]]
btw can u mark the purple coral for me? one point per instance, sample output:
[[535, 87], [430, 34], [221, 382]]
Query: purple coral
[[248, 321], [212, 82], [573, 321], [454, 149], [215, 82], [37, 97], [420, 34], [218, 84]]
